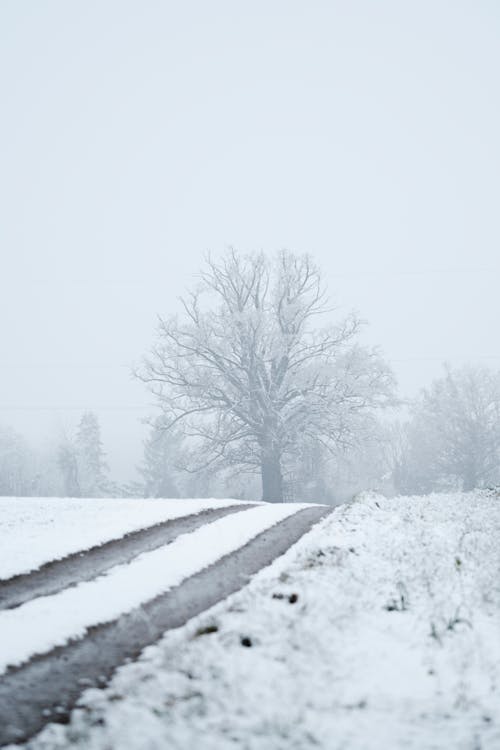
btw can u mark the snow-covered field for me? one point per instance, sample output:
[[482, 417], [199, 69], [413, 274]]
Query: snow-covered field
[[379, 630], [34, 531]]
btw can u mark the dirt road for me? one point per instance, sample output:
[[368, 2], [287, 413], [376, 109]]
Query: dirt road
[[47, 687]]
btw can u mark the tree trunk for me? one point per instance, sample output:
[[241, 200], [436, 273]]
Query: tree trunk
[[272, 481]]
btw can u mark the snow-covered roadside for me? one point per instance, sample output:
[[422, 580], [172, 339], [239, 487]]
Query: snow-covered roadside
[[378, 630], [36, 530], [49, 621]]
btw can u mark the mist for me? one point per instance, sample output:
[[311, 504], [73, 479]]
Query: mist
[[134, 140]]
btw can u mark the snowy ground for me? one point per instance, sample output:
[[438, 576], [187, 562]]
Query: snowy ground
[[379, 630], [70, 613], [34, 531]]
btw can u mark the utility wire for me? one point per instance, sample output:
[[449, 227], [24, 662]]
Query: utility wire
[[95, 365]]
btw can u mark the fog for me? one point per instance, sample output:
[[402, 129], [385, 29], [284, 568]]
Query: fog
[[135, 137]]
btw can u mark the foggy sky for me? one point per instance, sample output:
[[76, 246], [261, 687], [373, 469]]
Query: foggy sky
[[135, 136]]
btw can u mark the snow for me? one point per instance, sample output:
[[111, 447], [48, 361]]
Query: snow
[[393, 643], [69, 613], [35, 530]]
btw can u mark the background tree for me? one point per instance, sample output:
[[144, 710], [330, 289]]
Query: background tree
[[17, 472], [47, 481], [91, 465], [454, 435], [307, 477], [250, 375], [68, 465], [157, 468]]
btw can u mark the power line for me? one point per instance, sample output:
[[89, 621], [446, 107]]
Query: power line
[[416, 272], [349, 272], [11, 407], [447, 358], [95, 365], [60, 365]]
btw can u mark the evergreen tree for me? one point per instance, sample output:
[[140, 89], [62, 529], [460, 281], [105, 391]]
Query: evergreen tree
[[92, 467]]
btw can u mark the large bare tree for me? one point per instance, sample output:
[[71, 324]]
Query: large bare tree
[[251, 374]]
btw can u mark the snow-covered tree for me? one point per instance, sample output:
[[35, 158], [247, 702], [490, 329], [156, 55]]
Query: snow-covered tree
[[251, 376], [17, 475], [454, 436], [68, 465], [157, 468], [325, 477], [48, 478], [92, 469]]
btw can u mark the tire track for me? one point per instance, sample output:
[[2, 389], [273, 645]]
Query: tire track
[[47, 687], [88, 564]]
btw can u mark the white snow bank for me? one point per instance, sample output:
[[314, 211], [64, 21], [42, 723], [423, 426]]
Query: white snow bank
[[393, 643], [41, 624], [35, 530]]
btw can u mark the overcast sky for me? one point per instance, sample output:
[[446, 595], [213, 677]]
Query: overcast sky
[[135, 136]]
